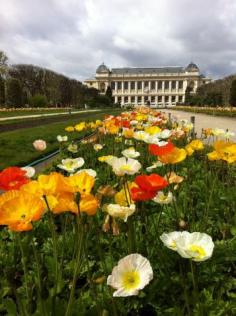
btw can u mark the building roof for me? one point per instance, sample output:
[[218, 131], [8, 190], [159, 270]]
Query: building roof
[[128, 70], [102, 69]]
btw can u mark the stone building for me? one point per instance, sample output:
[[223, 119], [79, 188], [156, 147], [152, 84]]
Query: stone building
[[162, 86]]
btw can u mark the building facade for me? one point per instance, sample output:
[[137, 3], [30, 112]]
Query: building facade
[[163, 86]]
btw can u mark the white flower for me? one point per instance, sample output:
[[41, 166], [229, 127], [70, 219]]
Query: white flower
[[122, 166], [229, 134], [132, 274], [154, 166], [218, 131], [161, 198], [169, 239], [61, 139], [141, 135], [116, 210], [97, 147], [196, 246], [130, 153], [40, 145], [91, 172], [73, 148], [133, 122], [71, 165], [30, 171], [166, 133]]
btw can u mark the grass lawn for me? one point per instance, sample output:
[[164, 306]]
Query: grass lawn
[[32, 112], [16, 146]]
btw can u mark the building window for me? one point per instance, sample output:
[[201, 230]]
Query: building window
[[173, 85], [146, 84], [180, 98], [132, 99], [166, 98], [139, 99], [119, 100], [159, 99], [153, 85], [139, 85], [113, 85], [145, 98], [153, 99], [126, 99], [132, 85], [173, 98], [181, 84], [159, 85], [166, 85], [126, 85], [119, 86]]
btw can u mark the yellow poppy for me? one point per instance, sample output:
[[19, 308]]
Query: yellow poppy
[[82, 182], [88, 204]]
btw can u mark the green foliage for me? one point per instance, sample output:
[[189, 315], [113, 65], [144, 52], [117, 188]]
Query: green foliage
[[2, 91], [38, 100], [3, 63], [14, 93], [232, 100]]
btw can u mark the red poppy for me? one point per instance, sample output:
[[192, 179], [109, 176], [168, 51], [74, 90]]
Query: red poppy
[[161, 150], [152, 182], [148, 185], [12, 178], [125, 124], [137, 194]]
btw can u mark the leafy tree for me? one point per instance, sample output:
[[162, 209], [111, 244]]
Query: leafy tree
[[66, 92], [14, 93], [232, 99], [2, 91], [3, 63], [38, 100], [109, 94], [188, 97]]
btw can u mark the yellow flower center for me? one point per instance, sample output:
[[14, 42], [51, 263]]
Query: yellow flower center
[[130, 280], [69, 164], [125, 168], [198, 251]]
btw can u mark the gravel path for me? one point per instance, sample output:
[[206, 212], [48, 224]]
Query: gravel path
[[206, 121]]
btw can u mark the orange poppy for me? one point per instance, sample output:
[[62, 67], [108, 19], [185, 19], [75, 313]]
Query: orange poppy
[[18, 209]]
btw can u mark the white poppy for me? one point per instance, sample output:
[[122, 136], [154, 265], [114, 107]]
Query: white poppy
[[122, 166], [97, 147], [169, 239], [154, 166], [91, 172], [130, 153], [131, 275], [116, 210], [30, 171], [161, 198], [196, 246], [70, 165], [61, 139], [141, 135]]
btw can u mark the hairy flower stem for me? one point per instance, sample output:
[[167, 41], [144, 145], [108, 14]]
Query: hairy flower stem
[[23, 260], [80, 248], [55, 246], [195, 288], [43, 311]]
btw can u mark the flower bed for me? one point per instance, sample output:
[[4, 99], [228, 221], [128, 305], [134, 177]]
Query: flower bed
[[139, 219], [219, 111]]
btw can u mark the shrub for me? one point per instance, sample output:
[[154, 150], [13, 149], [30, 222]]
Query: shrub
[[38, 100]]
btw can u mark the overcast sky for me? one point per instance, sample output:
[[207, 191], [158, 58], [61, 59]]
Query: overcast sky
[[74, 36]]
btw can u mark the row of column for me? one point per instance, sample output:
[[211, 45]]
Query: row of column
[[149, 86], [142, 99]]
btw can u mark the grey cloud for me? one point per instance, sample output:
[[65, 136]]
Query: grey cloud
[[74, 36]]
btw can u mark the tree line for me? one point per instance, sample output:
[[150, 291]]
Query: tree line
[[221, 92], [29, 85]]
